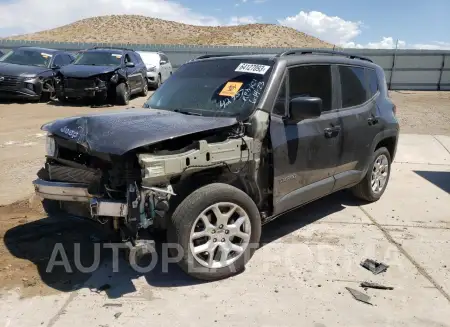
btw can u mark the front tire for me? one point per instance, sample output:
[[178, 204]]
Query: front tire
[[217, 228], [122, 94], [373, 185]]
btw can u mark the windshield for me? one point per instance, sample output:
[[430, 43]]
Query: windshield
[[99, 58], [225, 87], [150, 58], [27, 57]]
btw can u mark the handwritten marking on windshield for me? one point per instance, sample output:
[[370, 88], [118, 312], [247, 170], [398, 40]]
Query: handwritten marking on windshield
[[250, 94]]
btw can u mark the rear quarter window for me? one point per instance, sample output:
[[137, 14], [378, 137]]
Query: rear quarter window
[[353, 86]]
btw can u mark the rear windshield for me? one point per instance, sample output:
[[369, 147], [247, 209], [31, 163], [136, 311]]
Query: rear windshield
[[27, 57], [222, 87], [99, 58]]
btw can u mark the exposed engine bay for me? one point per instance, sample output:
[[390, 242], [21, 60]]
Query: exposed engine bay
[[140, 189]]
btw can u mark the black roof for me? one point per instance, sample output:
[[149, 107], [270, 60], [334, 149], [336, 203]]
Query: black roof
[[108, 50], [299, 56]]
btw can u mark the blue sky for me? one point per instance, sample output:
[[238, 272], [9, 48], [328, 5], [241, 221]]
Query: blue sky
[[375, 24]]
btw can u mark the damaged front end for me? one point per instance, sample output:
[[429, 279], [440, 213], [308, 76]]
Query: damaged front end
[[96, 86], [139, 189]]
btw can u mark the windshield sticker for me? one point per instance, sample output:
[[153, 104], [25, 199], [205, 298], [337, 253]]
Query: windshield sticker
[[45, 55], [118, 56], [249, 94], [230, 89], [252, 68]]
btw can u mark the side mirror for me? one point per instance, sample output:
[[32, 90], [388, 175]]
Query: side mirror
[[163, 62], [56, 67], [130, 64], [301, 108]]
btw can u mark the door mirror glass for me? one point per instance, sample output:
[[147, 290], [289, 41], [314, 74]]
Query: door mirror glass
[[301, 108], [130, 64]]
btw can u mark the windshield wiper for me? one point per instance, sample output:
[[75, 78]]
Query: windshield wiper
[[184, 112]]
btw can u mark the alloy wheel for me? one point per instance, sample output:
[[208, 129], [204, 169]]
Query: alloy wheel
[[220, 235]]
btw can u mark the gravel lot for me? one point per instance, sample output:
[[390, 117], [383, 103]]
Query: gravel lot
[[22, 142], [322, 245]]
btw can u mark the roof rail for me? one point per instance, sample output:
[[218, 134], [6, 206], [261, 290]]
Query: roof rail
[[215, 55], [330, 52], [112, 48]]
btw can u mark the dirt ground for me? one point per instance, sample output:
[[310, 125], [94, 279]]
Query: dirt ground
[[28, 237]]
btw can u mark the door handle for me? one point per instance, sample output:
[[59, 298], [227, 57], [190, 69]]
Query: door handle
[[373, 120], [332, 131]]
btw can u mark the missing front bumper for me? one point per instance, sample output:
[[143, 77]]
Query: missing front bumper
[[76, 192]]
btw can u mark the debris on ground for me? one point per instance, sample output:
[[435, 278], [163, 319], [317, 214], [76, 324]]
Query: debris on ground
[[104, 287], [117, 315], [112, 304], [359, 296], [374, 266], [376, 286]]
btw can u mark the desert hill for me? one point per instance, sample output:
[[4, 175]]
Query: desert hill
[[146, 30]]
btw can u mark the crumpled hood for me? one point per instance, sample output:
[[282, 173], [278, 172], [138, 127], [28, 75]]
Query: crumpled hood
[[17, 70], [118, 132], [84, 71]]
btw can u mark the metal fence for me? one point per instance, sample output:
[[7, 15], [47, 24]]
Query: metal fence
[[405, 69]]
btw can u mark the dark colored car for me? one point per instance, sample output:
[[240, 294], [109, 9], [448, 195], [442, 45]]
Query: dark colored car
[[226, 145], [28, 72], [1, 53], [103, 73]]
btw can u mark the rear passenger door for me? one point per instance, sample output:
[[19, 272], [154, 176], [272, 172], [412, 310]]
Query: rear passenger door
[[359, 120], [305, 156]]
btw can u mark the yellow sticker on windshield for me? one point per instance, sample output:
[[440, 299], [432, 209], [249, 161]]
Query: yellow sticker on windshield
[[118, 56], [230, 89], [45, 55]]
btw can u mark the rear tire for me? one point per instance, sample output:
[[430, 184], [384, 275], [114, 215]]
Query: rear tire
[[144, 91], [373, 185], [122, 94], [229, 241]]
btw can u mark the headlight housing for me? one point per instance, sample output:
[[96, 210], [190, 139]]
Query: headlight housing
[[50, 146]]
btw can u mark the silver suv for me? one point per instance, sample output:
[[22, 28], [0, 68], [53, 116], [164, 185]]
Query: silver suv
[[158, 66]]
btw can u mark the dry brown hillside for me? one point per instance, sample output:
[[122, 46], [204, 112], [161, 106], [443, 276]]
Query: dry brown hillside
[[145, 30]]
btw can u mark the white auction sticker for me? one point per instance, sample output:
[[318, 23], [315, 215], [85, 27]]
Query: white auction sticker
[[252, 68]]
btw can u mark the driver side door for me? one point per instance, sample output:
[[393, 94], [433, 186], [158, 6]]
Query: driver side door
[[305, 153]]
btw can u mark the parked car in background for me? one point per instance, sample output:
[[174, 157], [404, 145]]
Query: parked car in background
[[226, 145], [1, 53], [103, 73], [28, 72], [159, 67]]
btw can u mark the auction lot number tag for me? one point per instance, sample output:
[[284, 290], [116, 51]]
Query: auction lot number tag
[[252, 68]]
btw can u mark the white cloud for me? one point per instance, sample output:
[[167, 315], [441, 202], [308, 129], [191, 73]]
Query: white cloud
[[331, 29], [390, 43], [242, 20]]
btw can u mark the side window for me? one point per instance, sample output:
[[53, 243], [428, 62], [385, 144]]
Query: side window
[[164, 57], [58, 61], [311, 81], [373, 82], [353, 86], [67, 59], [280, 104], [127, 58]]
